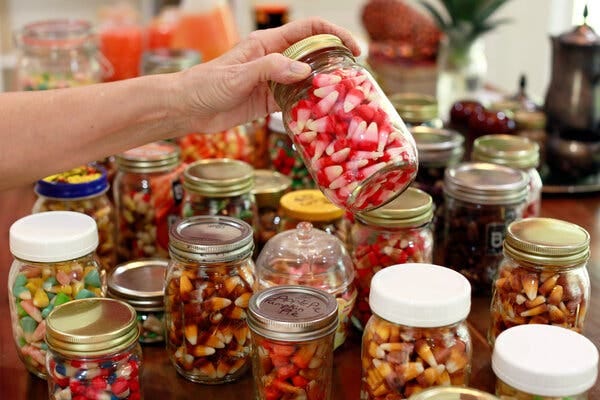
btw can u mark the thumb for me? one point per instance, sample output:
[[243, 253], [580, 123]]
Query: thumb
[[275, 67]]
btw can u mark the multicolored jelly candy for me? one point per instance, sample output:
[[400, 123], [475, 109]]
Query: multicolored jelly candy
[[233, 143]]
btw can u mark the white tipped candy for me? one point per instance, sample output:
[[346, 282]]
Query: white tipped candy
[[353, 98], [307, 137], [318, 125], [324, 91], [341, 155], [332, 172], [321, 80], [325, 105]]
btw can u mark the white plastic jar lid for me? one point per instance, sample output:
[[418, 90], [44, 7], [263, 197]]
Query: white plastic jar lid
[[545, 360], [420, 295], [53, 236]]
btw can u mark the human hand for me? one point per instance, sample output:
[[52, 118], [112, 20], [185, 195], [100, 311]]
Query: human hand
[[233, 88]]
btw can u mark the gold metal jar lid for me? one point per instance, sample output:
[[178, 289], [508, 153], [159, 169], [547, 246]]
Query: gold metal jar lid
[[530, 119], [269, 186], [411, 209], [438, 147], [152, 157], [415, 107], [510, 150], [91, 327], [293, 313], [309, 205], [547, 241], [141, 283], [452, 393], [221, 177]]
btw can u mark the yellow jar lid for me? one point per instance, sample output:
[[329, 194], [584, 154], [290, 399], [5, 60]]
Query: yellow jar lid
[[411, 209], [309, 205]]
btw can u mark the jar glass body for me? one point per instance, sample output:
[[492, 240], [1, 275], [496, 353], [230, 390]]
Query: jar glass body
[[375, 247], [98, 207], [269, 224], [534, 194], [525, 293], [303, 368], [507, 392], [115, 375], [287, 161], [35, 288], [208, 341], [402, 360], [336, 227], [234, 143], [241, 206], [151, 326]]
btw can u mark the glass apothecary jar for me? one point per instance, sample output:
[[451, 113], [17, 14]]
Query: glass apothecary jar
[[54, 263], [527, 369], [292, 338], [481, 200], [141, 284], [397, 233], [93, 352], [417, 336], [82, 189], [147, 192], [515, 152], [352, 140], [417, 109], [543, 277], [310, 257], [209, 282]]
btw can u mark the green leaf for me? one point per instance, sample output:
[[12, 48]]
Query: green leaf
[[439, 20], [488, 9]]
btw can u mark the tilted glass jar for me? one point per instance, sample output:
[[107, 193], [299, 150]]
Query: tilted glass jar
[[544, 362], [417, 336], [82, 189], [93, 352], [417, 109], [292, 338], [515, 152], [208, 341], [543, 277], [349, 135], [397, 233], [147, 194], [481, 200], [141, 284], [54, 263]]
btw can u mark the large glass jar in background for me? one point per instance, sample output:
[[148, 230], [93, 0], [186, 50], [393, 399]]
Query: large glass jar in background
[[93, 352], [397, 233], [147, 193], [310, 257], [481, 200], [233, 143], [292, 339], [209, 282], [349, 135], [515, 152], [417, 336], [527, 369], [417, 109], [543, 277], [82, 189], [164, 60], [54, 263], [57, 54]]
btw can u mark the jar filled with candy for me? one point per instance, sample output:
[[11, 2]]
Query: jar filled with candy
[[141, 284], [348, 133], [233, 143], [310, 257], [93, 351], [292, 339], [209, 282], [543, 277], [148, 195], [417, 109], [54, 263], [82, 189], [417, 336], [397, 233]]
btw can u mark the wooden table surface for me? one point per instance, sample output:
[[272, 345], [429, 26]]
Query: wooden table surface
[[160, 381]]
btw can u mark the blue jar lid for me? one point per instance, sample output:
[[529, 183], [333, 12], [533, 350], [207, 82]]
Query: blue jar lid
[[83, 181]]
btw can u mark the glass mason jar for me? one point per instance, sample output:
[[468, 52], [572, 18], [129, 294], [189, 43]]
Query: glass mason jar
[[452, 393], [310, 257], [209, 282], [233, 143], [417, 109], [147, 194], [292, 338], [164, 60], [141, 284], [543, 277], [43, 277], [417, 336], [93, 352], [58, 54], [397, 233], [82, 189], [544, 362], [532, 125], [349, 135], [515, 152], [220, 187], [481, 200]]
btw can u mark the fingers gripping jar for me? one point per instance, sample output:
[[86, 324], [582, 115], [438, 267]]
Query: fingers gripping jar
[[209, 282], [542, 278], [417, 336], [349, 135]]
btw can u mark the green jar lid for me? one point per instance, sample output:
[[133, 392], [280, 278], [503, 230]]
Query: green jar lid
[[415, 107], [221, 177], [412, 208]]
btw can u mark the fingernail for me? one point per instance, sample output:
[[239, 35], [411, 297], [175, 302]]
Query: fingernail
[[299, 68]]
